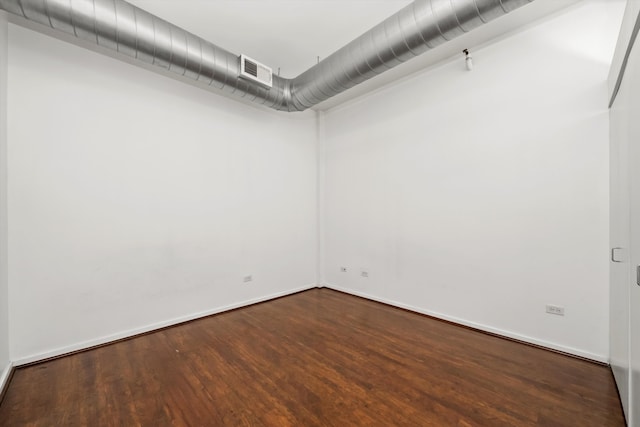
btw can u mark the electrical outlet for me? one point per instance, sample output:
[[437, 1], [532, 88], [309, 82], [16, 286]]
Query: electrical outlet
[[364, 273], [343, 269], [555, 309], [247, 279]]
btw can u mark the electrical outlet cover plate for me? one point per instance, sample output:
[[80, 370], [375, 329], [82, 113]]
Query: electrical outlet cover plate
[[555, 309]]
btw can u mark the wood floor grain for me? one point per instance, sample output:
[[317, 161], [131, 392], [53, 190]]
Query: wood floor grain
[[317, 358]]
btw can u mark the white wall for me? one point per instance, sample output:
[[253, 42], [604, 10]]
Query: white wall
[[4, 291], [633, 109], [623, 124], [620, 275], [483, 196], [136, 200], [625, 233]]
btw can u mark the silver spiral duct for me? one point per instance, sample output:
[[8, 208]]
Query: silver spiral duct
[[135, 33]]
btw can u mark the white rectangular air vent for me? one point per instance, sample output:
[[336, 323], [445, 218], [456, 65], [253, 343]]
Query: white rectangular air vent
[[255, 71]]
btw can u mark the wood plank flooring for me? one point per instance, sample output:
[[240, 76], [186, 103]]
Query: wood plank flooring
[[317, 358]]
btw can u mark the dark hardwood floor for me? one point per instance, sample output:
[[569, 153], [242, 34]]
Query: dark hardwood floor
[[317, 358]]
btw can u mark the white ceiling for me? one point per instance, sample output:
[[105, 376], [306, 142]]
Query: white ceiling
[[291, 34]]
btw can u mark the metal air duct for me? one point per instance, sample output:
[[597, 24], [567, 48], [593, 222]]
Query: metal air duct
[[135, 33]]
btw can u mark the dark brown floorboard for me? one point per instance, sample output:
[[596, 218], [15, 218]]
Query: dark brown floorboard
[[317, 358]]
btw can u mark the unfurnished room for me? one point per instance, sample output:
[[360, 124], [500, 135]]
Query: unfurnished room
[[320, 213]]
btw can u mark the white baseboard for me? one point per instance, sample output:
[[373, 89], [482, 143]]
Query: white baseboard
[[126, 334], [497, 331], [6, 373], [148, 328]]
